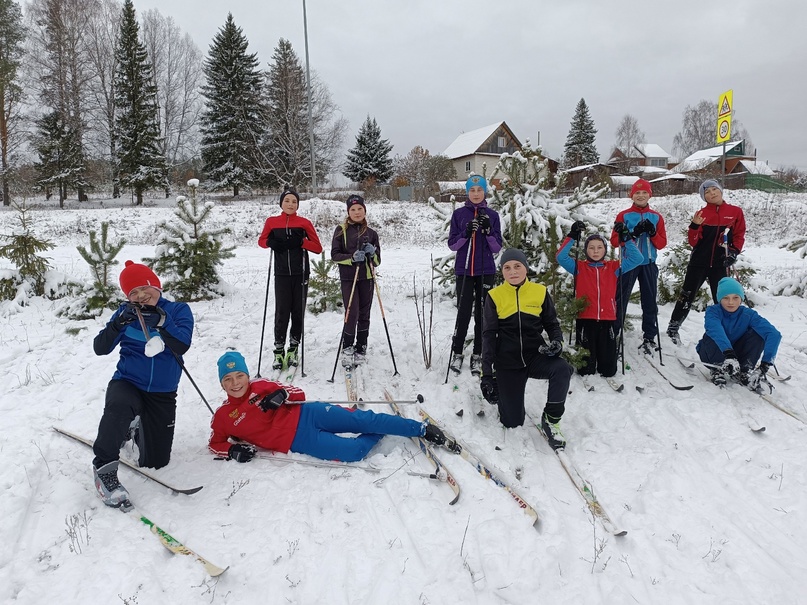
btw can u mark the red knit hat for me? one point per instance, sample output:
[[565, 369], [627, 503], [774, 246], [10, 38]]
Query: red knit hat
[[641, 185], [135, 275]]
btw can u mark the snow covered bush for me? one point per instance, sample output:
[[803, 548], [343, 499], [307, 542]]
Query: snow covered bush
[[796, 286], [23, 250], [325, 293]]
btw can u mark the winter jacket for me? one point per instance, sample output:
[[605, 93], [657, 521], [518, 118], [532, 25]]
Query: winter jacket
[[241, 418], [290, 237], [597, 282], [347, 238], [648, 246], [514, 319], [726, 329], [158, 374], [483, 247], [706, 239]]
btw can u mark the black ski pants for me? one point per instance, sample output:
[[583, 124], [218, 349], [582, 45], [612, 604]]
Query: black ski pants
[[693, 280], [471, 293], [289, 304], [357, 326], [512, 384], [157, 413], [599, 338]]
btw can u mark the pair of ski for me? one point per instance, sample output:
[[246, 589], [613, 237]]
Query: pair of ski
[[166, 539]]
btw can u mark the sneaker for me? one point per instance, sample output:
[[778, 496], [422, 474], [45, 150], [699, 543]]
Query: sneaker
[[718, 377], [110, 490], [360, 355], [456, 362], [648, 347], [672, 331], [476, 365], [348, 357], [292, 358], [552, 431], [433, 434]]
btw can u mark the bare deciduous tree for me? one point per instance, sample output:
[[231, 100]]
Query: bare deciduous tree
[[12, 35], [422, 170], [699, 130], [628, 134]]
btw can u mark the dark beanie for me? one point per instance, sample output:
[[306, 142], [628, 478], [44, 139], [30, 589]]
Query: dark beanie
[[355, 199], [513, 254], [288, 191]]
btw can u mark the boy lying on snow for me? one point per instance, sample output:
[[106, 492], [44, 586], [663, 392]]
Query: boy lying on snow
[[262, 413]]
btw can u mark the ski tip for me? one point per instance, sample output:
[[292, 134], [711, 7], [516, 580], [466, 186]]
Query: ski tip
[[620, 532], [460, 412], [481, 413]]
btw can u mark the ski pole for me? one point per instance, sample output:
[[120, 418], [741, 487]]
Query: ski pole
[[302, 325], [459, 304], [574, 284], [416, 401], [383, 318], [347, 314], [623, 310], [265, 307]]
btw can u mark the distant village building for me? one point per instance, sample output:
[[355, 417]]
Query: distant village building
[[644, 160]]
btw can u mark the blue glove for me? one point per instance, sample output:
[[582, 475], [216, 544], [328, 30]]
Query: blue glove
[[368, 249], [359, 256], [126, 314], [553, 349], [154, 317]]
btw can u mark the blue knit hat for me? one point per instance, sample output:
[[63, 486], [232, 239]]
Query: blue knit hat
[[729, 285], [706, 184], [231, 361], [513, 254], [474, 181]]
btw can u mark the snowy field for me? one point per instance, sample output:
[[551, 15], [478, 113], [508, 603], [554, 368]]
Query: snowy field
[[714, 512]]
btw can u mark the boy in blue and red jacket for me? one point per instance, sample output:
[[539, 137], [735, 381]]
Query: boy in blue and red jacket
[[735, 338], [596, 281], [647, 227], [291, 237], [717, 236], [475, 235]]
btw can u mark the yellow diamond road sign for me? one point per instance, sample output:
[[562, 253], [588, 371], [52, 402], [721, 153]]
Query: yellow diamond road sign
[[724, 108]]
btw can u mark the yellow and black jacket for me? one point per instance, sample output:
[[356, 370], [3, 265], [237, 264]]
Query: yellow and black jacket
[[514, 320]]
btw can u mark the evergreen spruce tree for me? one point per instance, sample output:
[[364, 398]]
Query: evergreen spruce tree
[[12, 37], [231, 122], [141, 164], [580, 148], [187, 255], [61, 161], [797, 285], [101, 257], [23, 250], [325, 293], [369, 161]]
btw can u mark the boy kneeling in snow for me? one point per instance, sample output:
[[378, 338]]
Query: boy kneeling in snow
[[735, 338], [263, 413]]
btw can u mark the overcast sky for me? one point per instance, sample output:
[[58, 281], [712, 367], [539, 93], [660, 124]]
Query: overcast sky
[[428, 70]]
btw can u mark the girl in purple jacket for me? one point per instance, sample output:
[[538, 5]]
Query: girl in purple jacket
[[475, 235]]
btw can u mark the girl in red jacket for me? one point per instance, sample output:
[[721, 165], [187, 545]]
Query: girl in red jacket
[[263, 413], [291, 238], [596, 280]]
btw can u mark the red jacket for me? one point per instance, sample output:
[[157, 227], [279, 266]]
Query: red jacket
[[242, 419], [290, 236], [706, 239]]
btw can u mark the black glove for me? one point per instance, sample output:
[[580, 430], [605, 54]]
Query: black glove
[[490, 389], [368, 249], [471, 228], [273, 400], [126, 314], [731, 257], [644, 226], [277, 244], [553, 349], [484, 223], [154, 317], [241, 452], [359, 256], [576, 232], [623, 232], [731, 366]]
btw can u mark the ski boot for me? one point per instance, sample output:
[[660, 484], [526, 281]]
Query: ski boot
[[718, 377], [433, 434], [360, 355], [111, 492], [292, 359], [456, 363], [476, 365], [672, 331], [551, 428], [280, 356], [348, 357], [648, 347]]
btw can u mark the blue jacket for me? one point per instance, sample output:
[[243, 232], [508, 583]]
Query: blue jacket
[[158, 374], [483, 247], [726, 328], [648, 246]]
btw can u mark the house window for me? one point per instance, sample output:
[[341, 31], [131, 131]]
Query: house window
[[660, 162], [502, 143], [468, 166]]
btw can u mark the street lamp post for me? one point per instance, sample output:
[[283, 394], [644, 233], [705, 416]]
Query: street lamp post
[[310, 109]]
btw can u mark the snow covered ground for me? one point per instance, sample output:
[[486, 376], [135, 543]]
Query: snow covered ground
[[714, 512]]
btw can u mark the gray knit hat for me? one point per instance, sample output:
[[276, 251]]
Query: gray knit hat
[[706, 184], [513, 254]]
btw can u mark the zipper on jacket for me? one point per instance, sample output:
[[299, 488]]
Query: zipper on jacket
[[520, 336]]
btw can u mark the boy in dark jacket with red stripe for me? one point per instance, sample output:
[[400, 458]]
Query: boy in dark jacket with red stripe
[[291, 238], [475, 235], [717, 236]]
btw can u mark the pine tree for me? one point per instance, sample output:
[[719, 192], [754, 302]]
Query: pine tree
[[12, 36], [141, 164], [325, 293], [369, 161], [23, 250], [231, 122], [580, 148], [101, 257], [61, 160], [187, 255]]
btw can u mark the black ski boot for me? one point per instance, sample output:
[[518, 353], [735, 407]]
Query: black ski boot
[[433, 434]]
